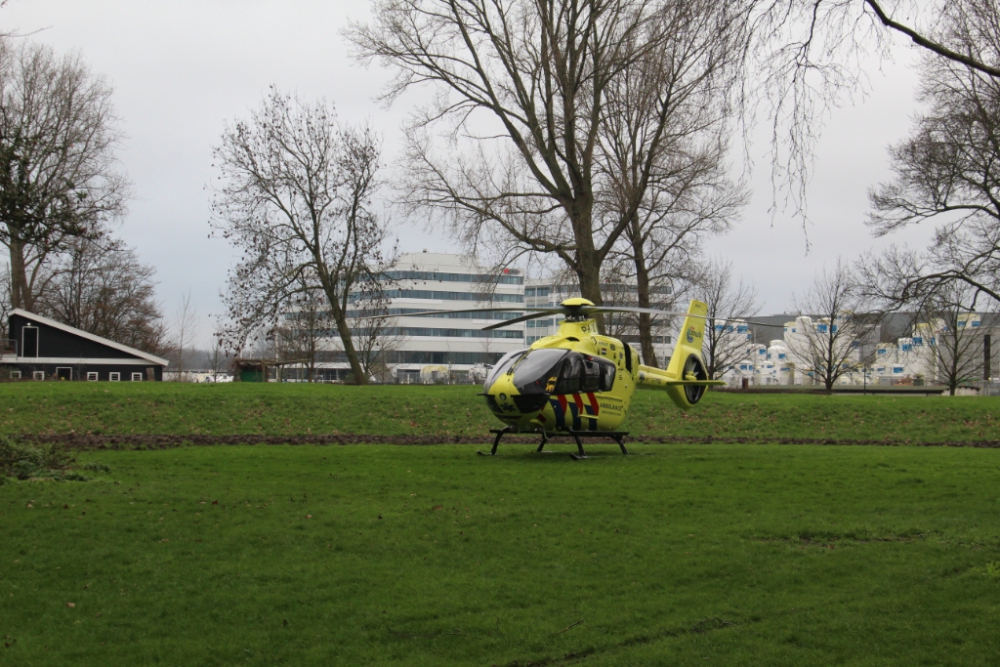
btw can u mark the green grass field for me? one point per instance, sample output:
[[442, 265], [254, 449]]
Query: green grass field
[[296, 409], [682, 554]]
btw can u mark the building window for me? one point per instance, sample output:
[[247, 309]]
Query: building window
[[38, 375], [136, 377], [15, 375], [114, 377], [91, 377]]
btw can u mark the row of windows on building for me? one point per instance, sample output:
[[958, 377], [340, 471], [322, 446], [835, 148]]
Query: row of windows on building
[[508, 278], [420, 357], [439, 296], [92, 376], [609, 288], [425, 332], [481, 315]]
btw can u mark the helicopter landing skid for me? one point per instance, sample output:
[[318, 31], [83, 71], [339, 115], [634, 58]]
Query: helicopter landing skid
[[617, 436], [496, 441]]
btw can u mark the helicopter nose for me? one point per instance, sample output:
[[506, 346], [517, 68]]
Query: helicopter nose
[[531, 402]]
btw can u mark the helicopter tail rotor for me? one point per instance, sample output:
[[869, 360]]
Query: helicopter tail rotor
[[685, 378]]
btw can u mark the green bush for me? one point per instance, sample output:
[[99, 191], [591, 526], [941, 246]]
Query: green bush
[[24, 460]]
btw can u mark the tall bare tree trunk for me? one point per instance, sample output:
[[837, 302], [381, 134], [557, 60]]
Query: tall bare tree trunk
[[588, 261], [645, 319], [340, 319], [20, 289]]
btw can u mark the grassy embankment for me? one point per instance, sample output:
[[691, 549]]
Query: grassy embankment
[[290, 410]]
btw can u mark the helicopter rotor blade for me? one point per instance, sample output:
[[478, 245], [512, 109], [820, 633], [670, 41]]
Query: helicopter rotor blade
[[429, 313], [525, 318], [534, 312], [588, 310]]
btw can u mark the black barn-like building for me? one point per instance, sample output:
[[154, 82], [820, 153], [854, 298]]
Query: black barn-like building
[[43, 349]]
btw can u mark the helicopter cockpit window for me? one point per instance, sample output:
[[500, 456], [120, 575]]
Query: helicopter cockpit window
[[608, 372], [583, 373], [502, 366], [569, 374], [590, 380], [533, 372]]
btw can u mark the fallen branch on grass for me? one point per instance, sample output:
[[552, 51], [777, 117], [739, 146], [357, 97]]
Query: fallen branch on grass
[[406, 635], [570, 626]]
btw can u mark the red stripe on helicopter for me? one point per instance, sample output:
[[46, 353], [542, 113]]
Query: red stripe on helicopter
[[594, 408], [579, 402]]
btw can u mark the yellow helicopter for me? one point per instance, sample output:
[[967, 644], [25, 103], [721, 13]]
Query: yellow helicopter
[[580, 383]]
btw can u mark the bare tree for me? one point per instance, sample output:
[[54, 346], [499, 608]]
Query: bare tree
[[524, 90], [183, 330], [664, 238], [981, 15], [300, 335], [5, 307], [218, 358], [296, 198], [100, 286], [958, 333], [377, 335], [947, 171], [663, 291], [730, 303], [673, 189], [57, 164], [835, 323]]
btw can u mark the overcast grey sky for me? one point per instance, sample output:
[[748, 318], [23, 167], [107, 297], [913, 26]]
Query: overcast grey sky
[[182, 68]]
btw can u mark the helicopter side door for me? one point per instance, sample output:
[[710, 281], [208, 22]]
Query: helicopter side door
[[584, 374]]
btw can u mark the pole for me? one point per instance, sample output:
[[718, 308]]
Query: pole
[[986, 357]]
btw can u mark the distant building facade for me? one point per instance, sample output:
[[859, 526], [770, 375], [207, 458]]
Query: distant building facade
[[444, 347]]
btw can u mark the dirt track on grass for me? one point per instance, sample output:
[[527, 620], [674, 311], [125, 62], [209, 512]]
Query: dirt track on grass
[[87, 441]]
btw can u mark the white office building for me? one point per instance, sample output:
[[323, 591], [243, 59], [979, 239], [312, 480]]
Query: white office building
[[428, 348]]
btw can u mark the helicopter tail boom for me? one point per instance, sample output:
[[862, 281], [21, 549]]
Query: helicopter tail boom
[[685, 378]]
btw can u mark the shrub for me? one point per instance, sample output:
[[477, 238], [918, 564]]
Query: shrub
[[23, 460]]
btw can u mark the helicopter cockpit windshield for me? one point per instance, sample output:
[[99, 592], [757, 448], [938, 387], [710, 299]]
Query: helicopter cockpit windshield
[[502, 366], [533, 371]]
